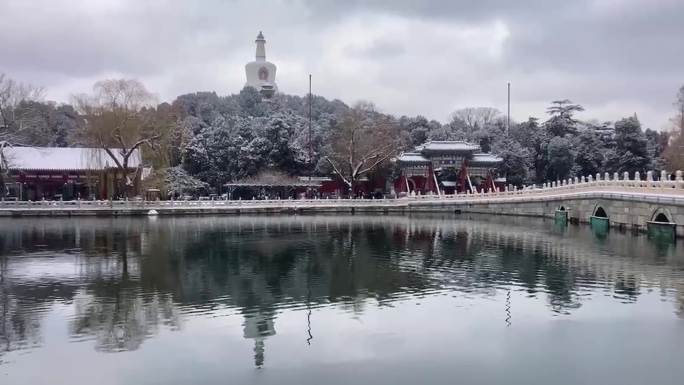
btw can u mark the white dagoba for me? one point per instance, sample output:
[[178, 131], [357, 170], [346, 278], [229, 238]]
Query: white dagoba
[[261, 73]]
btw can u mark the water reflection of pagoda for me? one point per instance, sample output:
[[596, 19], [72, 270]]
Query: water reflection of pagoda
[[261, 264], [258, 326]]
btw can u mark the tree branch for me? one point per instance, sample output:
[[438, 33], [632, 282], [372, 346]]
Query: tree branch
[[114, 158], [376, 163], [337, 171]]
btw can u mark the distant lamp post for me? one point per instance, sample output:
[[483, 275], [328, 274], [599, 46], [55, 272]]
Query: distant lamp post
[[508, 116]]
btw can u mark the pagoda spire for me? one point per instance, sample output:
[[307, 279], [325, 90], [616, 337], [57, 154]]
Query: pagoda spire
[[260, 47]]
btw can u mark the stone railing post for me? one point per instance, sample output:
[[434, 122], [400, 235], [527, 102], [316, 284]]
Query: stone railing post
[[625, 178], [589, 179], [616, 177], [637, 179], [606, 177]]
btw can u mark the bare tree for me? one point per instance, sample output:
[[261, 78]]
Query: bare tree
[[362, 142], [5, 163], [12, 94], [120, 118], [679, 104], [674, 153], [475, 118]]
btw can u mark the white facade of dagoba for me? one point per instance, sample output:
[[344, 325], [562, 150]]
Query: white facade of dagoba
[[261, 73]]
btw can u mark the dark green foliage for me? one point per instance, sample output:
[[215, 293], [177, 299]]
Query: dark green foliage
[[631, 147], [516, 161], [562, 122], [218, 139], [589, 158], [535, 139], [560, 157]]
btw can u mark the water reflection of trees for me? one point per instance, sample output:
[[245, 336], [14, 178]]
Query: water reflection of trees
[[134, 276]]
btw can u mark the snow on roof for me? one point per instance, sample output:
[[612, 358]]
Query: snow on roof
[[314, 178], [412, 157], [486, 158], [448, 145], [65, 158]]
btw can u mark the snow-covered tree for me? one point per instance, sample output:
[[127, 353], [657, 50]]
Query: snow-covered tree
[[590, 154], [631, 147], [476, 118], [363, 141], [560, 157], [120, 118], [656, 143], [516, 161], [562, 121], [535, 139], [679, 106], [12, 95]]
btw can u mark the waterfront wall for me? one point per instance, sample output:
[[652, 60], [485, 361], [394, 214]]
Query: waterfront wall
[[625, 211], [629, 204]]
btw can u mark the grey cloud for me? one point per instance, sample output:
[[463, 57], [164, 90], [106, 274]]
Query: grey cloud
[[601, 53], [380, 49]]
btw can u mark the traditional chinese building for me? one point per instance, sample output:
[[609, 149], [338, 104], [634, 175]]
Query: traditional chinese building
[[447, 167], [36, 173]]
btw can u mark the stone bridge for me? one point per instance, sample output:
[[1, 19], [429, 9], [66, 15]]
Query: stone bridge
[[621, 202]]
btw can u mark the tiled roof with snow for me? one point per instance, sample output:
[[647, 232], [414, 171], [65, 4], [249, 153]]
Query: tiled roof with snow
[[448, 145], [412, 157], [64, 158], [485, 158]]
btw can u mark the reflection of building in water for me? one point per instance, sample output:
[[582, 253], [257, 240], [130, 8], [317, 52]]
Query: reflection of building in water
[[258, 326], [264, 263]]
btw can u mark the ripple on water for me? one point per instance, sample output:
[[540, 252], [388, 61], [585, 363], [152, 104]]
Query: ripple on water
[[124, 282]]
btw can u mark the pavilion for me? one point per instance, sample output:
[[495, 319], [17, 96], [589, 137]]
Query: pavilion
[[437, 167], [272, 184]]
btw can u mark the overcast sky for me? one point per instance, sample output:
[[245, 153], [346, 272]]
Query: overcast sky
[[615, 57]]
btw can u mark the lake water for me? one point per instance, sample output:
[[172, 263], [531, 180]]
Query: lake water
[[336, 300]]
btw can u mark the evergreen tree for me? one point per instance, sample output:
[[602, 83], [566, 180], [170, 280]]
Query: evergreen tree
[[589, 150], [535, 139], [560, 158], [516, 161], [562, 121], [631, 147]]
